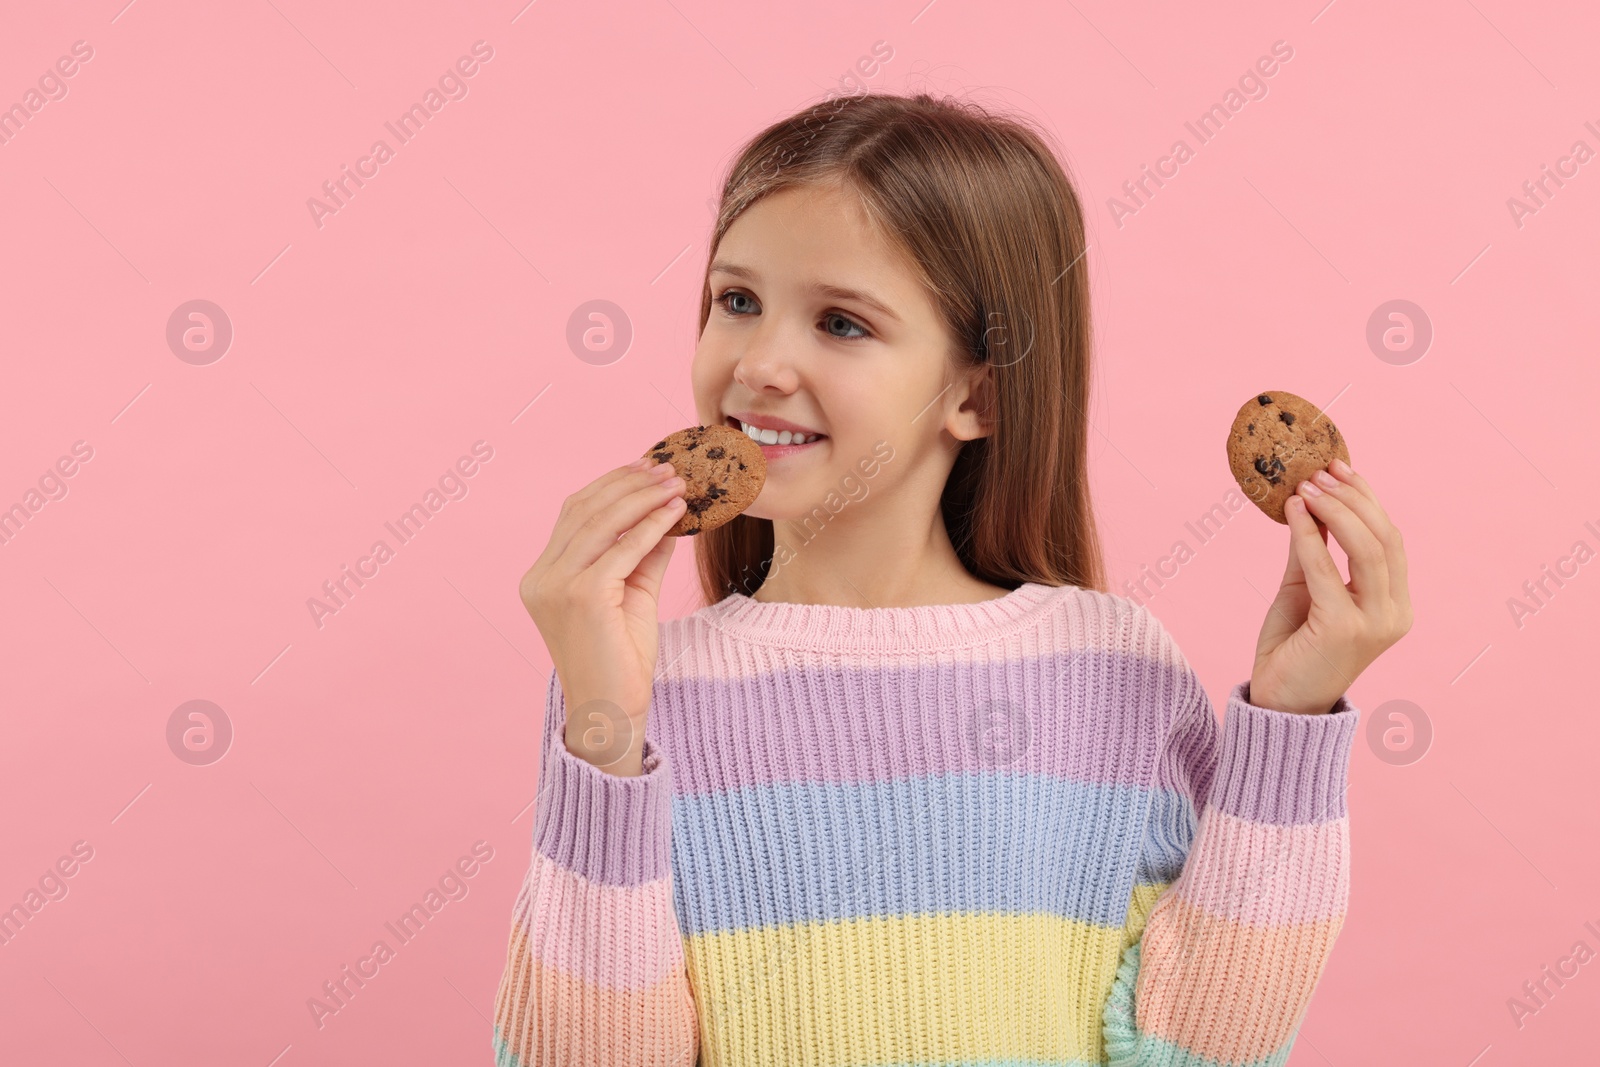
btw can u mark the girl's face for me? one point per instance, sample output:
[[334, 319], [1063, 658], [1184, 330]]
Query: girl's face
[[817, 321]]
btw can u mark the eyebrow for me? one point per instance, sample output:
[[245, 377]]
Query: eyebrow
[[836, 292]]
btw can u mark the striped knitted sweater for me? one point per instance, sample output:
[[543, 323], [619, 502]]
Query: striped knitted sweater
[[1003, 833]]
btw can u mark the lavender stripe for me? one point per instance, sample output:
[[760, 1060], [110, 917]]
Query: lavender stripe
[[1284, 768], [1087, 714], [610, 829]]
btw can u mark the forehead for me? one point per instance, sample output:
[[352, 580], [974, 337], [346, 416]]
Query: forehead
[[823, 237]]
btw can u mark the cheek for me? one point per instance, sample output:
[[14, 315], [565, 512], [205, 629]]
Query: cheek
[[703, 381], [888, 413]]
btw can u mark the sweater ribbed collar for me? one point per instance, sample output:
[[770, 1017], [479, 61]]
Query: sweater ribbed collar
[[925, 628]]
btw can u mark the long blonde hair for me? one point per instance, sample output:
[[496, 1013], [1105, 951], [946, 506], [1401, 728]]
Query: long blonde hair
[[989, 215]]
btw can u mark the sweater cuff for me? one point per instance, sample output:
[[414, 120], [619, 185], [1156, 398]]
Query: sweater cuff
[[1281, 767], [608, 828]]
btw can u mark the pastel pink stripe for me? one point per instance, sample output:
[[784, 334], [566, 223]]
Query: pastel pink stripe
[[1201, 976], [692, 647], [547, 1017], [1268, 875], [609, 936]]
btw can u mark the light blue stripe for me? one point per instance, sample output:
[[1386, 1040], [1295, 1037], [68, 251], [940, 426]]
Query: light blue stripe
[[1168, 835], [504, 1055], [994, 841]]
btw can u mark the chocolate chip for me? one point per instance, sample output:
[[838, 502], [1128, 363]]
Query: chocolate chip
[[1270, 470], [1263, 400], [659, 444], [662, 457], [691, 447], [1252, 429], [1288, 419], [691, 533], [715, 453]]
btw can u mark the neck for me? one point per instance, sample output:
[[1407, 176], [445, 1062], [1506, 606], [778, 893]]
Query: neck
[[880, 559]]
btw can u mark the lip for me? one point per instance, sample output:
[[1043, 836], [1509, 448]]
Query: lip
[[771, 422]]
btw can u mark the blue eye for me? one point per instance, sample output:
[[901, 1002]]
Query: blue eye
[[849, 322], [724, 299]]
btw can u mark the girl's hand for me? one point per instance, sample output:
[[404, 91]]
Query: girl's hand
[[593, 593], [1320, 633]]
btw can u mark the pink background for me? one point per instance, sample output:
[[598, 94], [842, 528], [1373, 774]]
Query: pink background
[[371, 353]]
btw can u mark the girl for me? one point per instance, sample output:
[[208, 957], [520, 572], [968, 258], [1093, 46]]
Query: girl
[[913, 788]]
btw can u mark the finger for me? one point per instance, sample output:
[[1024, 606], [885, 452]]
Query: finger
[[613, 482], [596, 535], [1357, 495], [648, 574], [622, 559], [581, 507], [611, 477], [1371, 514], [1387, 532], [1360, 484], [1369, 567], [1316, 562]]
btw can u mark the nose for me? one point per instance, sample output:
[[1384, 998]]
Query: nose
[[761, 368]]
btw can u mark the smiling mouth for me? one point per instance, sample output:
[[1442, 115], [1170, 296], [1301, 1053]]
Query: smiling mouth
[[779, 443]]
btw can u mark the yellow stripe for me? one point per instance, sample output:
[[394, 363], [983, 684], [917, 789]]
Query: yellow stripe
[[850, 992], [1144, 898]]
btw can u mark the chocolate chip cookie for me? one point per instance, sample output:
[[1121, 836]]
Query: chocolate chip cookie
[[1277, 441], [722, 468]]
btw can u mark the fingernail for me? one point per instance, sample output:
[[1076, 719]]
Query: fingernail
[[1342, 468], [640, 463], [1326, 480], [1308, 489]]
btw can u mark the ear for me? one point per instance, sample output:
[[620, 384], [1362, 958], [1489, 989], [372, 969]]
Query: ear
[[973, 415]]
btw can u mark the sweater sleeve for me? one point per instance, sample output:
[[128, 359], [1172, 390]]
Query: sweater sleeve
[[1232, 948], [595, 970]]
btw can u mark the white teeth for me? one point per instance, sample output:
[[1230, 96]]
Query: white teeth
[[777, 437]]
